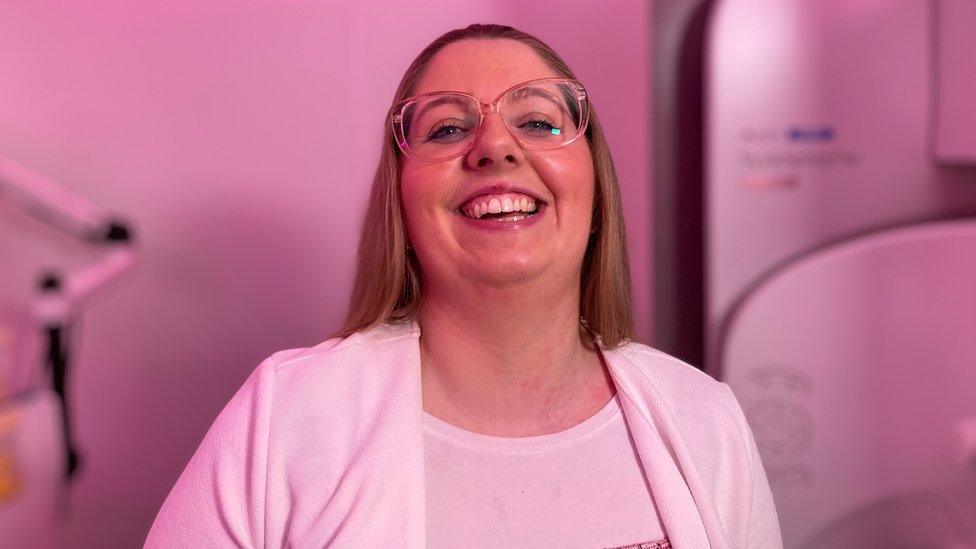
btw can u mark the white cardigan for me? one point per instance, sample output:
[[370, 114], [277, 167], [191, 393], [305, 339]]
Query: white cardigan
[[324, 447]]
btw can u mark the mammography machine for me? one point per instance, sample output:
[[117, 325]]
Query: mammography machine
[[840, 253]]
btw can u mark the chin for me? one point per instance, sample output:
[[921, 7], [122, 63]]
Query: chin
[[502, 274]]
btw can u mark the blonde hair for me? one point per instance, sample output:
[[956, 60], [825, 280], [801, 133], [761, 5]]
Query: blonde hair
[[389, 284]]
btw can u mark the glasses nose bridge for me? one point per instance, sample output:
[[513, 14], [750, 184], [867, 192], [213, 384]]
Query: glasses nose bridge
[[488, 108], [497, 130]]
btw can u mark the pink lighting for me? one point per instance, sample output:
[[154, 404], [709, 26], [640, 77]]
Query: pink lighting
[[241, 138], [829, 168]]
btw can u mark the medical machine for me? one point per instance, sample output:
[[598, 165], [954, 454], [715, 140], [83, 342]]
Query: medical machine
[[38, 451]]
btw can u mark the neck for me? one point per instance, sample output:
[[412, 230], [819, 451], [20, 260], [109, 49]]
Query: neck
[[509, 362]]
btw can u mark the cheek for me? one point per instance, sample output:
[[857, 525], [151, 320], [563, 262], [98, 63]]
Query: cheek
[[583, 178], [570, 178], [411, 202], [428, 185], [416, 191], [425, 193]]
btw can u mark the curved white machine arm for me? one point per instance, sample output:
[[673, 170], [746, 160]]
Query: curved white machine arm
[[55, 205]]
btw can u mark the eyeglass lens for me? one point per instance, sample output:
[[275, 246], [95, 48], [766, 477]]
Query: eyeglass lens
[[541, 116]]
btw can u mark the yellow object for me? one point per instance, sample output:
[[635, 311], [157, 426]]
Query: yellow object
[[11, 481]]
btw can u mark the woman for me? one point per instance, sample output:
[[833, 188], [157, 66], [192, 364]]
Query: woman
[[466, 402]]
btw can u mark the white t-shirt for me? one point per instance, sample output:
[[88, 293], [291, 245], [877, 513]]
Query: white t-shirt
[[583, 487]]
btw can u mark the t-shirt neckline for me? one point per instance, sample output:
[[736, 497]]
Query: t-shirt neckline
[[458, 436]]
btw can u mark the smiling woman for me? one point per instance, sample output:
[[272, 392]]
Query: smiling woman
[[485, 390], [433, 127]]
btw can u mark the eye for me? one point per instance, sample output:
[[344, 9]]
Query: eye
[[539, 125], [447, 131]]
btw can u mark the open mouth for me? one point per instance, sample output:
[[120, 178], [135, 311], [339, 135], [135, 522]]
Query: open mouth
[[501, 207]]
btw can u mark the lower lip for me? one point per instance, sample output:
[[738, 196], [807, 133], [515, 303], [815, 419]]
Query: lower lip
[[503, 226]]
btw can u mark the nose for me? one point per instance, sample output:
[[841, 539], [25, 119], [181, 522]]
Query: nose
[[494, 146]]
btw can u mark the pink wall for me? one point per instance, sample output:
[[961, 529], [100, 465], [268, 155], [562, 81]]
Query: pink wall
[[239, 138]]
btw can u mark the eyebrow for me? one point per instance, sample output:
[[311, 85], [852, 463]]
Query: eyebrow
[[442, 100], [533, 91], [568, 101]]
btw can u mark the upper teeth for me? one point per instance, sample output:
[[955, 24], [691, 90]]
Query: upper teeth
[[509, 202]]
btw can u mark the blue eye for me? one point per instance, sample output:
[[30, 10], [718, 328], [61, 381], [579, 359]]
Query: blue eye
[[447, 132], [540, 128]]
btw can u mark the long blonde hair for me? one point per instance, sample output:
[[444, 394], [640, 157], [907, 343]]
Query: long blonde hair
[[389, 285]]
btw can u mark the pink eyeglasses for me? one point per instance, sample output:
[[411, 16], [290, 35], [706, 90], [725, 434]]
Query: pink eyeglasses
[[541, 114]]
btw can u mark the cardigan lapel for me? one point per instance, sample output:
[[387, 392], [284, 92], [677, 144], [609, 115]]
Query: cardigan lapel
[[668, 467], [412, 447]]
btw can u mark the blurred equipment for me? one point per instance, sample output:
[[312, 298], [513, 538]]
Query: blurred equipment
[[842, 260], [839, 254], [38, 454]]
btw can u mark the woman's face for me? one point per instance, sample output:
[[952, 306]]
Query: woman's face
[[439, 197]]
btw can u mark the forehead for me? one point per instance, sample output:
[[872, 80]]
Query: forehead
[[483, 68]]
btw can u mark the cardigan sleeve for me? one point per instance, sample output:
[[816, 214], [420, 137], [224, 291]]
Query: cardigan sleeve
[[763, 530], [219, 500]]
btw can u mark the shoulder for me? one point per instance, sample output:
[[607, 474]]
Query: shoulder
[[359, 354], [698, 407], [341, 378], [679, 383], [297, 406]]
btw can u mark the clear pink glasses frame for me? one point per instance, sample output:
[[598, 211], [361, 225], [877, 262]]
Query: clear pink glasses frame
[[397, 116]]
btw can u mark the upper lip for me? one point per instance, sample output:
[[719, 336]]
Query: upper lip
[[499, 188]]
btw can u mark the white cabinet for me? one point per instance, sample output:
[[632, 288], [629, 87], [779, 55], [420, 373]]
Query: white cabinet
[[955, 82]]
